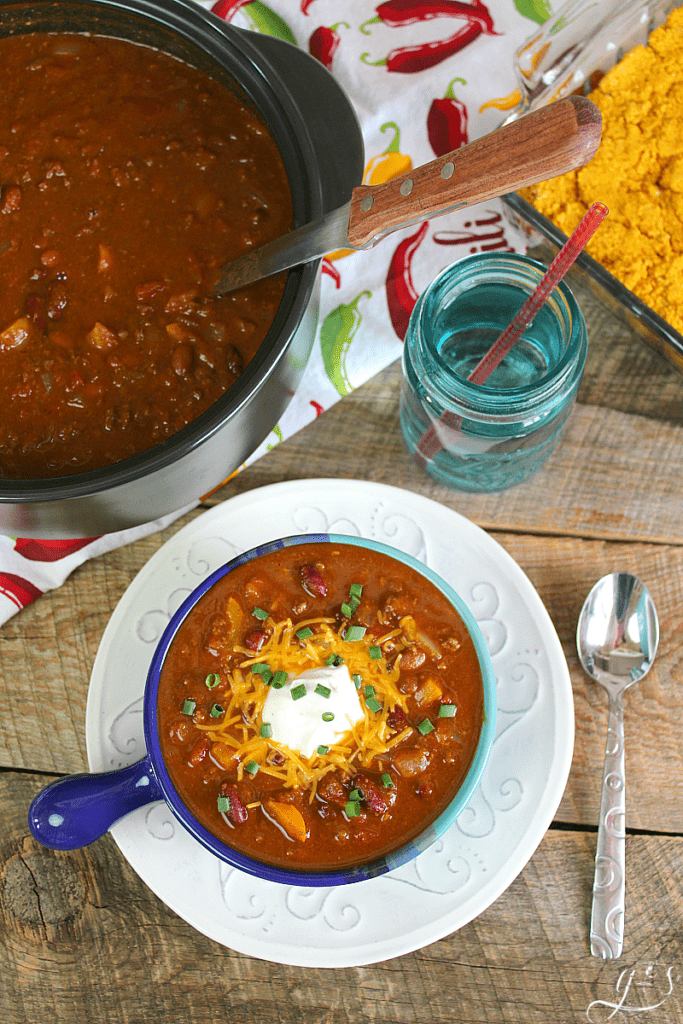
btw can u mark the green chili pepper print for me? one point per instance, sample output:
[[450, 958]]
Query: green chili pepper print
[[268, 22], [336, 335], [277, 430], [537, 10]]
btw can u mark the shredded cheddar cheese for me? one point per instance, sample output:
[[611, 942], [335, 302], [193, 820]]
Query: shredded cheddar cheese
[[238, 735]]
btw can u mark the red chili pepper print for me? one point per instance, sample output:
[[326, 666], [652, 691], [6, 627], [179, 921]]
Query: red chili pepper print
[[400, 291], [49, 550], [397, 13], [305, 4], [447, 122], [227, 9], [329, 268], [324, 43], [19, 591], [408, 60], [319, 410]]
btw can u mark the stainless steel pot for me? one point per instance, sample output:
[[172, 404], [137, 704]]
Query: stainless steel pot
[[317, 132]]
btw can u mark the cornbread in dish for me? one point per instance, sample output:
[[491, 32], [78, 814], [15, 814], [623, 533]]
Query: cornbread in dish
[[637, 172]]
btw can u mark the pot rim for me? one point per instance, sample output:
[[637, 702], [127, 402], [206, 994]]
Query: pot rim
[[344, 875], [262, 86]]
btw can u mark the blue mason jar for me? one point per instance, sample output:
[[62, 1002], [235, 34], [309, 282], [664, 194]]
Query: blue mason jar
[[486, 437]]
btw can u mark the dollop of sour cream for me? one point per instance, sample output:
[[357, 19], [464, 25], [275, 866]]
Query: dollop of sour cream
[[299, 724]]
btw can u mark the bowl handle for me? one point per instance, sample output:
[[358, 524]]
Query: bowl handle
[[77, 810]]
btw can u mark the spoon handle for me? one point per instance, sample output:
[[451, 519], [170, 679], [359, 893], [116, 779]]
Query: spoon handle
[[607, 919], [547, 142]]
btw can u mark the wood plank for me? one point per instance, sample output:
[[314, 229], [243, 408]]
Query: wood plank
[[84, 940], [615, 475]]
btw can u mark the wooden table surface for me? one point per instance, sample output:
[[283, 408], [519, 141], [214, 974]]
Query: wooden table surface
[[83, 939]]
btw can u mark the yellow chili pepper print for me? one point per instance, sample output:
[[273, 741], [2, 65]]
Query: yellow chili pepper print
[[387, 165], [508, 102]]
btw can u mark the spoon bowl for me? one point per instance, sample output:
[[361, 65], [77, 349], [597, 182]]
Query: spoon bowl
[[616, 639]]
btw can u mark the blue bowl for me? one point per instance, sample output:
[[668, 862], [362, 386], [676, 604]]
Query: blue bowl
[[76, 810]]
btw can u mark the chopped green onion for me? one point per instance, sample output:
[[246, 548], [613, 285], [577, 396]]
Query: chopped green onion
[[447, 711], [297, 692], [358, 682], [355, 590], [266, 730], [369, 691], [267, 677], [328, 716], [252, 767], [217, 710], [259, 667], [355, 794], [213, 679], [388, 781], [324, 691], [375, 653], [188, 707], [373, 705], [347, 611], [354, 633], [335, 659], [260, 614], [303, 634], [352, 808], [279, 680], [425, 727], [223, 804], [322, 749]]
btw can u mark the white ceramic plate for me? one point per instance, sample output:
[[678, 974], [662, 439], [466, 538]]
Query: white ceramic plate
[[447, 885]]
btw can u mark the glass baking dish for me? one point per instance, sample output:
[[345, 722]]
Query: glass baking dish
[[569, 54]]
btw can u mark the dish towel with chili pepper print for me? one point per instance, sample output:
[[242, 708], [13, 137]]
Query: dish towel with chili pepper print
[[425, 77]]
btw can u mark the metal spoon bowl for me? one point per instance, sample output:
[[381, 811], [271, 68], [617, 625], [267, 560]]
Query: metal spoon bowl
[[616, 638]]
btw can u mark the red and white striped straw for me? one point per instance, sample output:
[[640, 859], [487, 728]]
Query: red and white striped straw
[[552, 277], [430, 443]]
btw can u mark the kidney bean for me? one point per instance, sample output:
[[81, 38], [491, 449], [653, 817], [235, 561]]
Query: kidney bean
[[423, 789], [396, 719], [374, 800], [313, 581], [255, 640], [237, 812], [35, 310]]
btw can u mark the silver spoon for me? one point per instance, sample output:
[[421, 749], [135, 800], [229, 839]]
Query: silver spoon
[[617, 640]]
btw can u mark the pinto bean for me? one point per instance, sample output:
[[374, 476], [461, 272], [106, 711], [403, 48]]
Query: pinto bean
[[332, 789], [11, 199], [198, 752], [410, 761], [411, 659]]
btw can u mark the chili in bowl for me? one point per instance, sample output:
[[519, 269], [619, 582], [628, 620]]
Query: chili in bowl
[[317, 712]]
